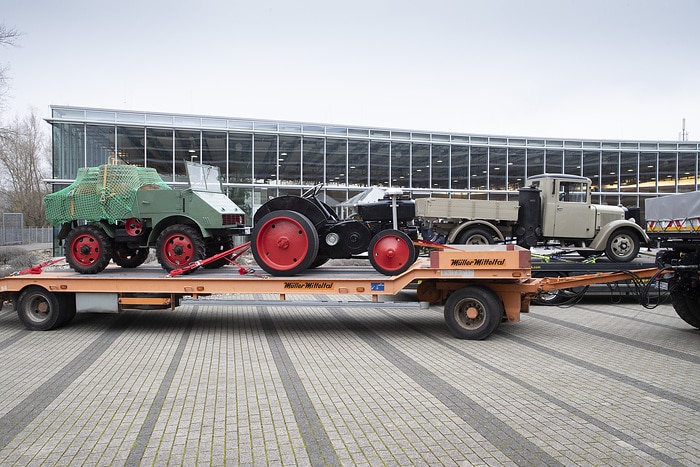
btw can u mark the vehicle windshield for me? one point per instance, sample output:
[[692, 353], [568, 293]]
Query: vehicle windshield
[[204, 177]]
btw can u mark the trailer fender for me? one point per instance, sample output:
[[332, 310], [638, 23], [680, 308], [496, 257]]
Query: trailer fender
[[601, 240], [457, 231]]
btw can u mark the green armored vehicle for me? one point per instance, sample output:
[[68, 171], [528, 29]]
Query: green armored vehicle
[[119, 212]]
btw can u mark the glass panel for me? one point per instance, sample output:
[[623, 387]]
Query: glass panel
[[99, 116], [125, 117], [214, 123], [609, 171], [379, 163], [535, 162], [289, 159], [214, 150], [240, 157], [314, 162], [68, 149], [687, 171], [99, 145], [421, 136], [647, 172], [187, 148], [159, 119], [187, 121], [591, 169], [441, 166], [265, 159], [131, 145], [667, 172], [554, 161], [290, 128], [358, 163], [516, 169], [400, 164], [420, 166], [497, 168], [572, 162], [628, 171], [69, 114], [159, 152], [243, 197], [316, 129], [459, 174], [479, 167], [336, 162]]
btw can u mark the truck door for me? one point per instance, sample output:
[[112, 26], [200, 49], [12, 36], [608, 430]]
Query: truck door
[[573, 215]]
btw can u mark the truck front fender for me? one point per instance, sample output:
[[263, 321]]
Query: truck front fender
[[457, 231], [601, 240]]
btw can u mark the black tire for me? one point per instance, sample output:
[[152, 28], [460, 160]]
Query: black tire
[[128, 257], [319, 261], [88, 249], [687, 307], [476, 236], [391, 252], [485, 306], [216, 246], [41, 310], [284, 243], [179, 245], [623, 246]]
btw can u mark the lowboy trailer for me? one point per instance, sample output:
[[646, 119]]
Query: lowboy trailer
[[479, 286]]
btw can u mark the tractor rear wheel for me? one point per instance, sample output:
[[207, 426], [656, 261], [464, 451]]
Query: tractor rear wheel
[[284, 242], [88, 249], [179, 245]]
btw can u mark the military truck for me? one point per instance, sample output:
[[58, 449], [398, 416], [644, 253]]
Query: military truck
[[550, 208], [118, 212]]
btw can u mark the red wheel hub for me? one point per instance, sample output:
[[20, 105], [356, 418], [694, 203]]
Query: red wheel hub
[[178, 249], [391, 252], [85, 249], [282, 242], [133, 227]]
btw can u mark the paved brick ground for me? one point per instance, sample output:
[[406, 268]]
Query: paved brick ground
[[296, 383]]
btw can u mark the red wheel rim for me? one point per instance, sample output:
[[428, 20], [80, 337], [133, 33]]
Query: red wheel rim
[[85, 249], [282, 243], [178, 249], [391, 252], [133, 227]]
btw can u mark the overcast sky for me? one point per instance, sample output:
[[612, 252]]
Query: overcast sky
[[598, 69]]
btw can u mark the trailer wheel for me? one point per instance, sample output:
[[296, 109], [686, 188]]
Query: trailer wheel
[[179, 245], [41, 310], [476, 236], [623, 246], [129, 257], [88, 249], [391, 252], [473, 312], [284, 242], [687, 307]]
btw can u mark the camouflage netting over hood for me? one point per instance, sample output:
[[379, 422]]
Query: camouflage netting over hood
[[99, 193]]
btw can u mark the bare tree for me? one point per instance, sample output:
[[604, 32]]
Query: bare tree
[[24, 163], [8, 36]]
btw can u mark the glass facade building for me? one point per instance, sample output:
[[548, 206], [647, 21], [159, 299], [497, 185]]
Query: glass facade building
[[263, 158]]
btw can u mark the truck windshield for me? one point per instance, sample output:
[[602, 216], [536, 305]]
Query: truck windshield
[[204, 177]]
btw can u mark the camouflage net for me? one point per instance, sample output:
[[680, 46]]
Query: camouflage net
[[107, 192]]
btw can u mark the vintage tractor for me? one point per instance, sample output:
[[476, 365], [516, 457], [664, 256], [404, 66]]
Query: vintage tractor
[[294, 233], [118, 212]]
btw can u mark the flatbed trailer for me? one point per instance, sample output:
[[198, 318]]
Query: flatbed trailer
[[479, 286]]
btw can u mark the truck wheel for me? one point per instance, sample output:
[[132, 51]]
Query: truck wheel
[[687, 307], [129, 257], [41, 310], [391, 252], [88, 249], [473, 312], [476, 236], [284, 242], [179, 245], [623, 246]]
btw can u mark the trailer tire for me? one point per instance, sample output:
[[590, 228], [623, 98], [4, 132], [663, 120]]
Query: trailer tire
[[623, 246], [687, 307], [476, 236], [88, 249], [179, 245], [41, 310], [129, 258], [284, 242], [473, 312], [391, 252]]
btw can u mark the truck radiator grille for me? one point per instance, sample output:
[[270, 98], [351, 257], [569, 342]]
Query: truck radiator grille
[[232, 219]]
